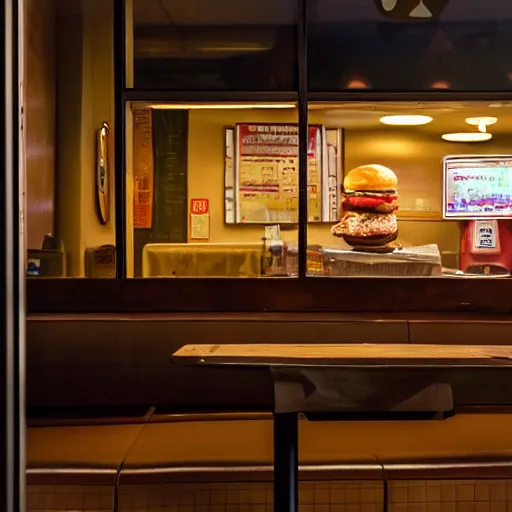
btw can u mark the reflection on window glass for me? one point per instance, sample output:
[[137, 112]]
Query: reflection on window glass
[[214, 45], [411, 45], [422, 191], [68, 97], [213, 190]]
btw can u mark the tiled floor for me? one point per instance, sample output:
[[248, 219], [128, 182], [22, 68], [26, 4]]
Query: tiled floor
[[69, 498], [320, 496]]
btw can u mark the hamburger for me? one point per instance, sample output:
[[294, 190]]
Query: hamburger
[[368, 207]]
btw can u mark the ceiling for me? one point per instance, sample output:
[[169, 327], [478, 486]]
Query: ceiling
[[277, 12], [448, 116]]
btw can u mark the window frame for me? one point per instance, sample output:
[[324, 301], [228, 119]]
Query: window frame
[[303, 293]]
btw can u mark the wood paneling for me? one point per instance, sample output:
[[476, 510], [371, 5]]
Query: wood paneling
[[123, 362], [39, 119], [478, 333], [439, 295], [69, 80], [132, 366]]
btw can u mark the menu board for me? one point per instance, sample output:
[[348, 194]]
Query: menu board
[[477, 187], [170, 212], [143, 170], [268, 173]]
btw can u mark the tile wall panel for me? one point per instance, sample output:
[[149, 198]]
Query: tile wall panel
[[69, 498], [319, 496], [450, 496]]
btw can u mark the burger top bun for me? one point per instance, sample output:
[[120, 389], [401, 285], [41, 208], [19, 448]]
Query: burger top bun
[[370, 177]]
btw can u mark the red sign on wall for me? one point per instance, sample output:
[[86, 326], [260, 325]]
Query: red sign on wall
[[199, 219], [199, 206]]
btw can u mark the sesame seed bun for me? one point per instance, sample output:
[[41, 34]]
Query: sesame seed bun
[[373, 177]]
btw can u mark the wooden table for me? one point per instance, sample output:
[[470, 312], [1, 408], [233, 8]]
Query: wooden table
[[340, 375]]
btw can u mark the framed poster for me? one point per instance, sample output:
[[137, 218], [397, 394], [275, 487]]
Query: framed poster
[[267, 173], [143, 169], [261, 173]]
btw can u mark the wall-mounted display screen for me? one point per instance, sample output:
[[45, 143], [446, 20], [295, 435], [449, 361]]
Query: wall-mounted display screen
[[477, 187]]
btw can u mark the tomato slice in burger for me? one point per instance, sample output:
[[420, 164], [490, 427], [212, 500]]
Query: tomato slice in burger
[[368, 202]]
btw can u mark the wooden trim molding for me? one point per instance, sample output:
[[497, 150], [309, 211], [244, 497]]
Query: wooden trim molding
[[72, 476], [215, 474], [486, 468]]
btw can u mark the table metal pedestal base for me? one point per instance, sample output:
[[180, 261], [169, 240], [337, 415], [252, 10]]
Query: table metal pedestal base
[[286, 462]]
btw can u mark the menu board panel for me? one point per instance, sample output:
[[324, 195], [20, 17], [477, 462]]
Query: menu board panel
[[170, 211], [143, 170], [478, 187], [268, 173]]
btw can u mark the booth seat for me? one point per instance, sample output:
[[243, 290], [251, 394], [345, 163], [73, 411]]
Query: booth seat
[[202, 260], [213, 462]]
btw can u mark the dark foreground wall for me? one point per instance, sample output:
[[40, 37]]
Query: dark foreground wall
[[110, 362]]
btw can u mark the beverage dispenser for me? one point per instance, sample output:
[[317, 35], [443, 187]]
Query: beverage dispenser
[[477, 191]]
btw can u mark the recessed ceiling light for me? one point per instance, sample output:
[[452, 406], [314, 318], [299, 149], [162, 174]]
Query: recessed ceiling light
[[412, 120], [481, 122], [357, 84], [440, 84], [467, 137]]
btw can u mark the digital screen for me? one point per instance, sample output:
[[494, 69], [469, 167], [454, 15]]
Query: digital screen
[[33, 267], [477, 187]]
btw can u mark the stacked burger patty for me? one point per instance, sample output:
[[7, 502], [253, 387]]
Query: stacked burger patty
[[368, 207]]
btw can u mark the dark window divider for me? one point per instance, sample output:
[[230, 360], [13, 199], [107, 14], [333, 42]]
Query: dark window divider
[[12, 308], [302, 70], [120, 136]]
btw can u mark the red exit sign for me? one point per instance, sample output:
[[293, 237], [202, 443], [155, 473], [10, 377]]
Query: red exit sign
[[199, 206]]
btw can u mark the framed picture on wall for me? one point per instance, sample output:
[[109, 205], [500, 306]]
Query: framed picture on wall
[[261, 173]]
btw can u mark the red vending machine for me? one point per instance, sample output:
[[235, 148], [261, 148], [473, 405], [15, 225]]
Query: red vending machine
[[477, 191]]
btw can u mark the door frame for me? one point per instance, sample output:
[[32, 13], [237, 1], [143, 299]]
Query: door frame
[[12, 254]]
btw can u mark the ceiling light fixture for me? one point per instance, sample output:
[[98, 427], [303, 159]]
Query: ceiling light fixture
[[409, 120], [481, 122], [220, 106], [440, 84], [480, 136], [467, 137]]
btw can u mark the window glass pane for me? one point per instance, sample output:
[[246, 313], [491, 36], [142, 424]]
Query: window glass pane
[[214, 45], [421, 194], [212, 190], [68, 94], [410, 45]]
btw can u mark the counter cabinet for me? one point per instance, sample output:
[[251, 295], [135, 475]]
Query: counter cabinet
[[278, 295]]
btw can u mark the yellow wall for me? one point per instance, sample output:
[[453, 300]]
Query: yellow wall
[[98, 106], [206, 166], [85, 73], [415, 155], [69, 108]]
